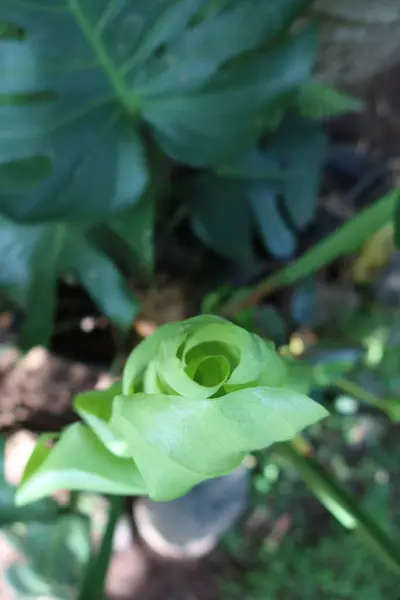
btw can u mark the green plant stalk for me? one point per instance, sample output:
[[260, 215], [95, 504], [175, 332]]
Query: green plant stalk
[[389, 407], [361, 394], [343, 506], [38, 323], [73, 504], [93, 584], [347, 239], [9, 515]]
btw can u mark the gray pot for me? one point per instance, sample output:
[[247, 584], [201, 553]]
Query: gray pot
[[192, 526]]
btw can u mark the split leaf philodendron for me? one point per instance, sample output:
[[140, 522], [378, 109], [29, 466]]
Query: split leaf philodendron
[[195, 398]]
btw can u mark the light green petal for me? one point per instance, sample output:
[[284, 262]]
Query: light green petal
[[209, 371], [262, 416], [251, 352], [164, 478], [95, 408], [78, 461], [203, 320], [152, 384], [212, 436], [172, 371], [274, 371], [148, 349], [145, 352]]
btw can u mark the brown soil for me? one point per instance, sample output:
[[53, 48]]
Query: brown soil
[[135, 574], [36, 390]]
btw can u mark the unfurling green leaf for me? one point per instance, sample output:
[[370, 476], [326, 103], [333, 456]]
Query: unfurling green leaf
[[196, 397]]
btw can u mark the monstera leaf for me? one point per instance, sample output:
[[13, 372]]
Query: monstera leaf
[[33, 257], [245, 196], [87, 76], [299, 147]]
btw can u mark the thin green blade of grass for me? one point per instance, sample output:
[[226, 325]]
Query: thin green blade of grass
[[94, 580], [342, 505], [345, 240]]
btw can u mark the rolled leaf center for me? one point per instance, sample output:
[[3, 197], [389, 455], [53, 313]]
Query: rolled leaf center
[[207, 349], [209, 371]]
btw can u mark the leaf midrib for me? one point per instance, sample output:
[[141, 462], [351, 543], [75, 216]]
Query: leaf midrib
[[94, 39], [92, 35]]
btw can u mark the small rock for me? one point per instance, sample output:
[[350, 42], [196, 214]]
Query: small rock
[[192, 526], [19, 448], [123, 538]]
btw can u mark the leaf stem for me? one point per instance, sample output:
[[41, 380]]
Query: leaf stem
[[41, 301], [358, 392], [73, 502], [343, 241], [94, 580], [363, 395], [342, 505]]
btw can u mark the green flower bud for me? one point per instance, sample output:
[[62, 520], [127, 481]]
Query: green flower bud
[[195, 398], [203, 357]]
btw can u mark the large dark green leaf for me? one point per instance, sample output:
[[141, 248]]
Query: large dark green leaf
[[135, 228], [226, 211], [32, 257], [274, 231], [76, 86], [77, 109], [221, 218], [200, 51], [300, 148], [263, 199], [222, 120]]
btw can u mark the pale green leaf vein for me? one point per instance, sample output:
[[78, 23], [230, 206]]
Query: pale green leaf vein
[[94, 39], [108, 14]]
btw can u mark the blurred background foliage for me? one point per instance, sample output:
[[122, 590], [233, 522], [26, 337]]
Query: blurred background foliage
[[166, 158]]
